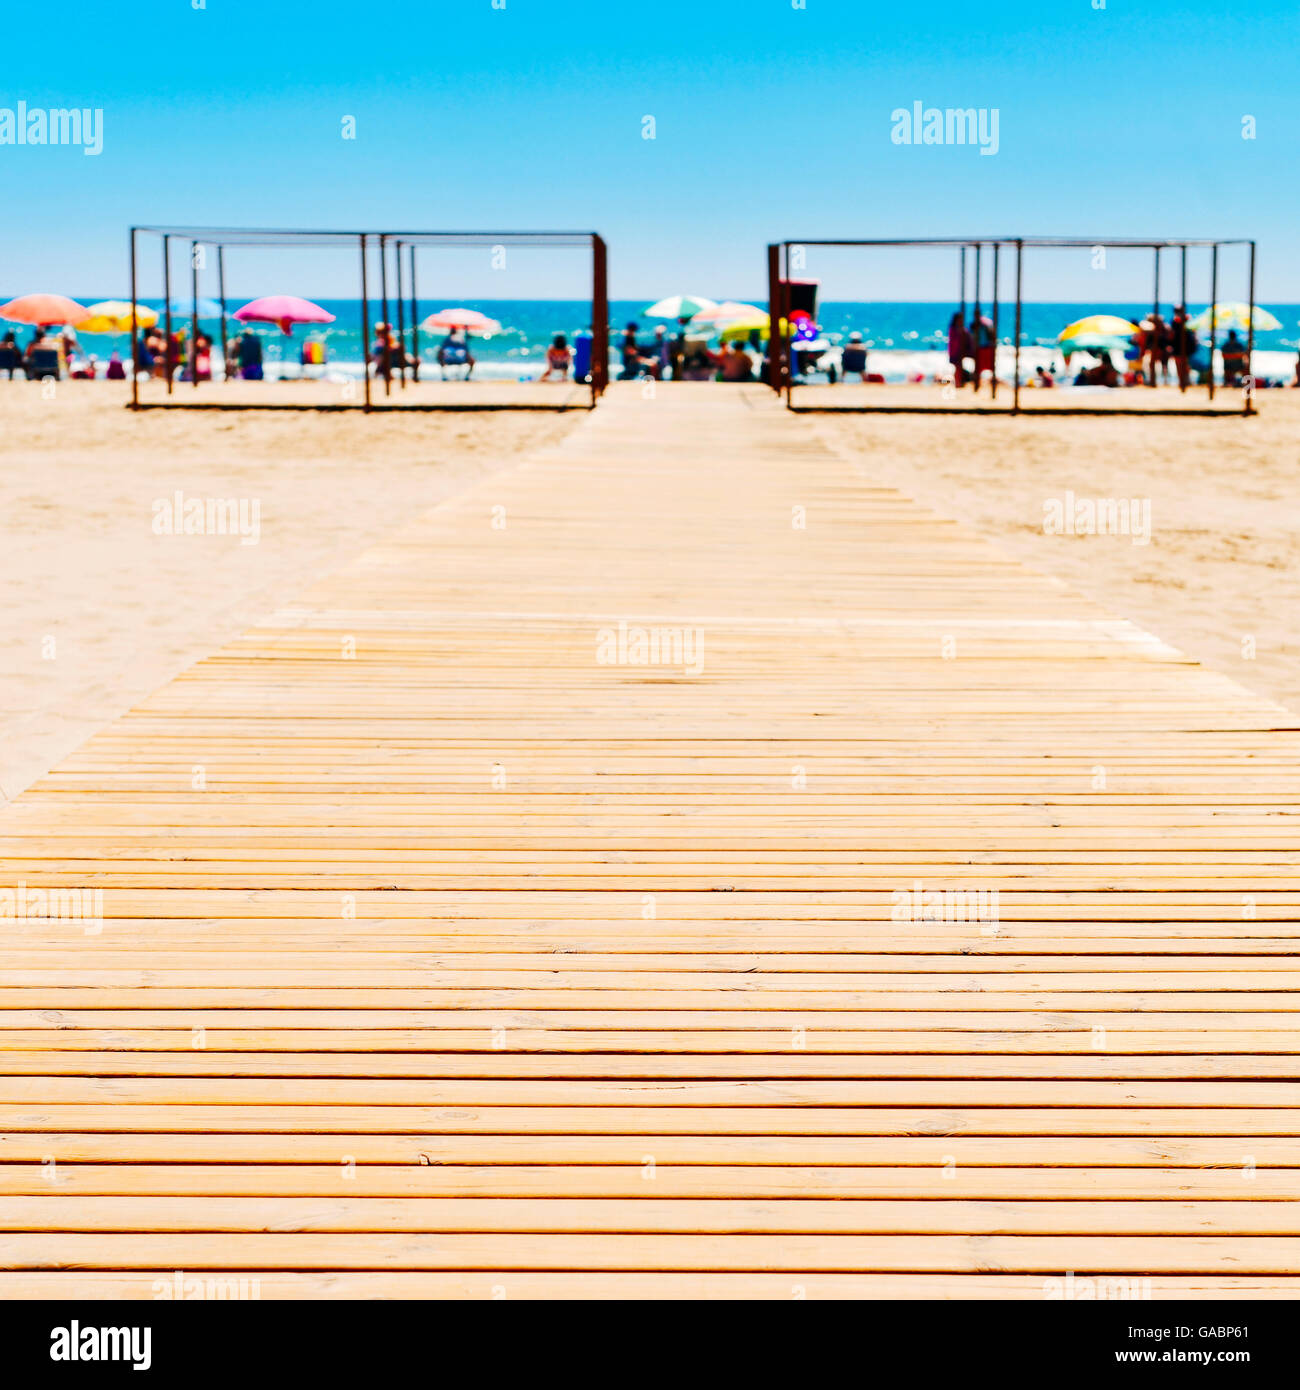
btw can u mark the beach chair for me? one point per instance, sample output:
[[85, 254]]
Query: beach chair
[[454, 356], [43, 363]]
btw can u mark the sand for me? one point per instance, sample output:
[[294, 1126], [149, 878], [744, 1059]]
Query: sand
[[1220, 577], [99, 610]]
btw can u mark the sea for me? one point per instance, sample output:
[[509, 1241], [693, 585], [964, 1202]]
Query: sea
[[904, 339]]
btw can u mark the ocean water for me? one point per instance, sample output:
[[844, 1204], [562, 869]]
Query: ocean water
[[903, 338]]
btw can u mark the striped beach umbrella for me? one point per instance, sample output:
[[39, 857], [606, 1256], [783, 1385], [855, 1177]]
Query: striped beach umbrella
[[1235, 315], [1096, 332], [679, 306]]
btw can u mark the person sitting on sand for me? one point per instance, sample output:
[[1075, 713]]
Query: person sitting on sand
[[558, 359], [1234, 359], [737, 365], [853, 359], [1044, 378], [116, 370], [86, 369], [381, 351], [11, 357]]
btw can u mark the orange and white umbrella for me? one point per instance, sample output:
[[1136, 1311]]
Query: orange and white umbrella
[[44, 310]]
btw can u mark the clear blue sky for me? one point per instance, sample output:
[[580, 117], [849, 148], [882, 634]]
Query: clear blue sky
[[771, 122]]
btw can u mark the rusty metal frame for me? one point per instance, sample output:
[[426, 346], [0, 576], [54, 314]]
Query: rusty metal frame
[[781, 378], [365, 244]]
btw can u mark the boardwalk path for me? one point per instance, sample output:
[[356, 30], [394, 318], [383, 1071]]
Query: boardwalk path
[[479, 963]]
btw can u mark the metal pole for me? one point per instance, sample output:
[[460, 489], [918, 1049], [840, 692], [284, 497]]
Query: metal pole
[[785, 302], [387, 357], [221, 291], [1155, 309], [1249, 405], [194, 313], [1015, 399], [1182, 326], [975, 318], [365, 323], [401, 315], [599, 317], [167, 310], [774, 360], [135, 358], [963, 286], [1214, 301], [415, 322], [997, 247]]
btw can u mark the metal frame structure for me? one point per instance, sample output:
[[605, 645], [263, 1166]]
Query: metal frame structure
[[400, 247], [781, 378]]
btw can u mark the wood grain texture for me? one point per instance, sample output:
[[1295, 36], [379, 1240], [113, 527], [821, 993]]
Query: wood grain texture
[[912, 928]]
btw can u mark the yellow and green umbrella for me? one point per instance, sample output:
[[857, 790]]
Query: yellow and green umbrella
[[1096, 332], [1235, 315], [114, 316]]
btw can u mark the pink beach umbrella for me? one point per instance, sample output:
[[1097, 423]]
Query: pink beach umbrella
[[468, 319], [284, 309]]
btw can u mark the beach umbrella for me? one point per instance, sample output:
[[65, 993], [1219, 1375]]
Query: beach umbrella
[[1235, 315], [114, 316], [284, 309], [1104, 332], [44, 310], [468, 319], [208, 308], [728, 312], [679, 306], [758, 322]]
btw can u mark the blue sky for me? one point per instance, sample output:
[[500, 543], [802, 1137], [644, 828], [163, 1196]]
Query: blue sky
[[771, 122]]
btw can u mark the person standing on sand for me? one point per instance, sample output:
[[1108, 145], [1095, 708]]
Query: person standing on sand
[[677, 350], [958, 348], [981, 334], [1182, 343], [1157, 350]]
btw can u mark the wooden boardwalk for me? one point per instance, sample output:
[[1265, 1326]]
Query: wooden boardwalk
[[912, 927]]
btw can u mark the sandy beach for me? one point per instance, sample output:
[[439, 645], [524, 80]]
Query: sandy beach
[[105, 610], [101, 610], [1223, 562]]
